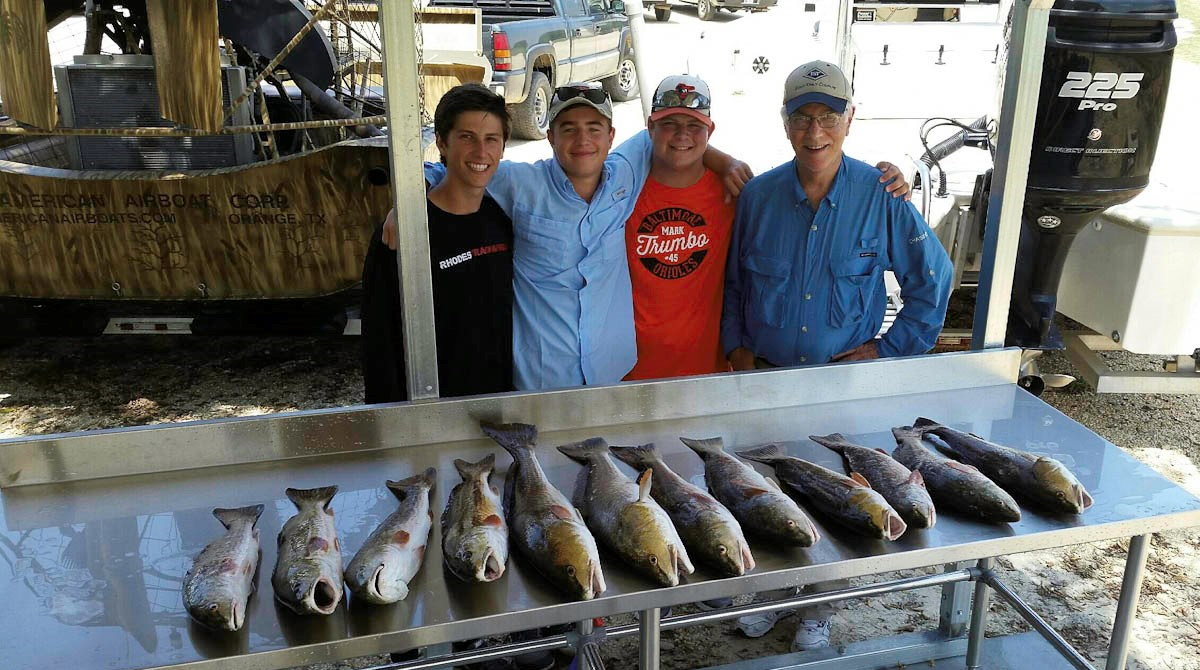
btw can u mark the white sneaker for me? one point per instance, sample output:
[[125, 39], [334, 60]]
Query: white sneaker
[[758, 625], [811, 634]]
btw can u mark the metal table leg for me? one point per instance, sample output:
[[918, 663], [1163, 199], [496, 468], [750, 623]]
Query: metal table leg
[[979, 607], [1131, 588], [956, 605], [648, 635]]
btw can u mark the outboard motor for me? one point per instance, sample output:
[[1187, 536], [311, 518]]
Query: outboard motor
[[1103, 94]]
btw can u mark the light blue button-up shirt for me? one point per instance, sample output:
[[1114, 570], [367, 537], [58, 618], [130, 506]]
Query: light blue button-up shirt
[[573, 311], [802, 286]]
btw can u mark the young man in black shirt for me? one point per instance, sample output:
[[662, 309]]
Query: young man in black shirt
[[470, 251]]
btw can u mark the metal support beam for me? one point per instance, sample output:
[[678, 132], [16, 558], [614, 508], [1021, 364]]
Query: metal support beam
[[648, 639], [979, 607], [1037, 622], [1131, 588], [1021, 83], [955, 607], [408, 191]]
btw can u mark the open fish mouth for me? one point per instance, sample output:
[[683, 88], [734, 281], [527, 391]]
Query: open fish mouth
[[323, 597], [236, 617], [1082, 498], [894, 527], [492, 568]]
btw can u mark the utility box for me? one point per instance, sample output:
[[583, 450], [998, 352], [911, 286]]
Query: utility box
[[1135, 271]]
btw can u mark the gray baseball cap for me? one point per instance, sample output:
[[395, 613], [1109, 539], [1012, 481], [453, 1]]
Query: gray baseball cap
[[589, 93], [818, 81]]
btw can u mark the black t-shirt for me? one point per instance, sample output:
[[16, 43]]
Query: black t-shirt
[[471, 258]]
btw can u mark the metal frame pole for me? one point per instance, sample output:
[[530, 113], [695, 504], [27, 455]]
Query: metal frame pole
[[979, 607], [955, 607], [1039, 624], [408, 193], [1131, 589], [648, 632], [1013, 147]]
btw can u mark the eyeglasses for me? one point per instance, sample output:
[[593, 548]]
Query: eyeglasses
[[591, 92], [803, 121], [681, 96]]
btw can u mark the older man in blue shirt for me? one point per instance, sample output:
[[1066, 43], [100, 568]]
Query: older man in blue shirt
[[812, 238], [804, 280]]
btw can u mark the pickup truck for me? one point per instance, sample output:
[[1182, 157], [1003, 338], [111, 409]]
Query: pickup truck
[[536, 45]]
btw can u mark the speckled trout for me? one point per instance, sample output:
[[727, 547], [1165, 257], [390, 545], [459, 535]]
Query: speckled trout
[[624, 516], [308, 570], [756, 502], [543, 525], [904, 489], [474, 535], [381, 570], [954, 486], [709, 531], [846, 500], [217, 588], [1040, 479]]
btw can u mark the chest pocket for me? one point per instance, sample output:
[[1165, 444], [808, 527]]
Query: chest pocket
[[767, 298], [856, 285], [544, 247]]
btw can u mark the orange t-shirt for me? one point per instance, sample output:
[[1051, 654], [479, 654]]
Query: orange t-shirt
[[677, 240]]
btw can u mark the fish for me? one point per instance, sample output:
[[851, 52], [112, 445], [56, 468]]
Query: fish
[[708, 530], [755, 501], [954, 485], [904, 489], [218, 586], [546, 529], [1040, 479], [308, 569], [474, 534], [623, 516], [847, 500], [392, 555]]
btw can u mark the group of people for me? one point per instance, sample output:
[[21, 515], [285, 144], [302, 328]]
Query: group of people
[[664, 257]]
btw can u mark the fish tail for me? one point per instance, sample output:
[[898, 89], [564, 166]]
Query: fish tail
[[834, 441], [907, 432], [706, 447], [479, 469], [227, 516], [640, 457], [767, 453], [586, 451], [322, 496], [926, 424], [516, 438], [423, 480]]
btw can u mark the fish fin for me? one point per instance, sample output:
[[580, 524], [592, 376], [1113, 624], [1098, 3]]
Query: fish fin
[[644, 482], [772, 482], [228, 516], [561, 512], [318, 544], [752, 491], [514, 437], [706, 447], [916, 478], [834, 441], [767, 453], [584, 452], [323, 496], [492, 520], [882, 451], [860, 480], [962, 467], [639, 457], [401, 537], [402, 488], [481, 468]]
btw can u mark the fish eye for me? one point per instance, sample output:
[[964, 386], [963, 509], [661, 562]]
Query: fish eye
[[721, 548], [571, 570], [213, 607], [791, 523], [653, 559]]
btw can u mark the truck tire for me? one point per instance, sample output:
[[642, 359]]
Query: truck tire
[[530, 119], [705, 10], [623, 85], [662, 14]]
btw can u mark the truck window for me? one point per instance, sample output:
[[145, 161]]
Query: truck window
[[574, 8]]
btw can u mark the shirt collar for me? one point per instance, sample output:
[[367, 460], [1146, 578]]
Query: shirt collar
[[563, 182], [835, 190]]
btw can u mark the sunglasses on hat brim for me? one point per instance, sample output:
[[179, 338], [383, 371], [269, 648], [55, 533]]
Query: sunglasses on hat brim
[[673, 98], [593, 94]]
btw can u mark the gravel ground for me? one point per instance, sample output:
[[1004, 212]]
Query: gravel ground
[[58, 385]]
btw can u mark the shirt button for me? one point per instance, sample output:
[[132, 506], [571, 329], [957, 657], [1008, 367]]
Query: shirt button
[[804, 329], [808, 296], [814, 226], [931, 273], [803, 359]]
